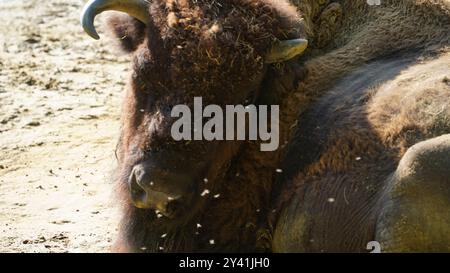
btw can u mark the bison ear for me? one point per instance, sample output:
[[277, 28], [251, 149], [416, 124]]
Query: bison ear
[[285, 50], [129, 32]]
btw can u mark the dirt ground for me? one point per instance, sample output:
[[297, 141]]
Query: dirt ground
[[60, 94]]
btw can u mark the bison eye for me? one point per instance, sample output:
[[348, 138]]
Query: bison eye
[[152, 150], [166, 110]]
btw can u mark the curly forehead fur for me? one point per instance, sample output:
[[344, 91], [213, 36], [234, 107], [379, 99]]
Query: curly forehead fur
[[205, 44], [237, 23]]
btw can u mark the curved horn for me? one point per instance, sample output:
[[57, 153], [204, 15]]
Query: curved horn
[[135, 8], [286, 50]]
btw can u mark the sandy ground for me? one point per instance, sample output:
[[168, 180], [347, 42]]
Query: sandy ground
[[60, 94]]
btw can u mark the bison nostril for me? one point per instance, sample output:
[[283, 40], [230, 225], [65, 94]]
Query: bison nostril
[[145, 195], [166, 195], [139, 175], [138, 193]]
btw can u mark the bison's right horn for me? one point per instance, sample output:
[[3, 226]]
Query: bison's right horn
[[135, 8], [286, 50]]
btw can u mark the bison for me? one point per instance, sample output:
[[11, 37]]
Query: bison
[[364, 125]]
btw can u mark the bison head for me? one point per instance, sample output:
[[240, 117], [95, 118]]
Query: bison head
[[217, 50]]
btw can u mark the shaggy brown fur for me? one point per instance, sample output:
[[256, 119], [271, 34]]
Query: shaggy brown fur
[[342, 126], [215, 50], [367, 122], [209, 49]]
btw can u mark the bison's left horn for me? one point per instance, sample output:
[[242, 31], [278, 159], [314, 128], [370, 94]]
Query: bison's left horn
[[286, 50], [135, 8]]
